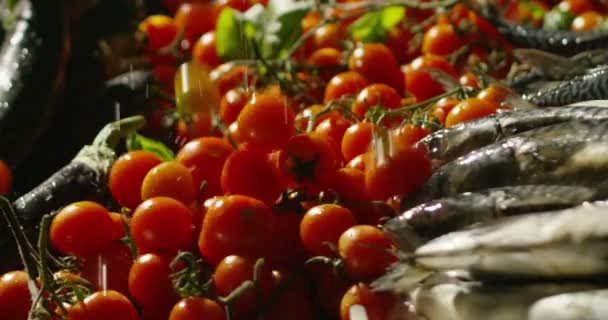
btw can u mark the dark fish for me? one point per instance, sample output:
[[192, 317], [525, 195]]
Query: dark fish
[[448, 144], [561, 42], [592, 85], [574, 151], [437, 217]]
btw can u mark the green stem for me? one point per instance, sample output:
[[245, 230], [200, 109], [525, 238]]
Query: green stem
[[113, 132], [423, 104], [44, 273]]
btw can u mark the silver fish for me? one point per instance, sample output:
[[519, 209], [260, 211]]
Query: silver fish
[[450, 143], [570, 243], [585, 305], [438, 217], [573, 151]]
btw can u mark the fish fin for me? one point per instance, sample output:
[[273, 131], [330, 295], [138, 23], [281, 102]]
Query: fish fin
[[552, 65]]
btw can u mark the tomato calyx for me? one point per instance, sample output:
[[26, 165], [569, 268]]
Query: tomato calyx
[[192, 276]]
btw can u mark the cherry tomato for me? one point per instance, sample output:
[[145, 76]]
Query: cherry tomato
[[377, 305], [205, 50], [150, 284], [356, 140], [249, 172], [104, 305], [309, 157], [196, 19], [127, 175], [420, 83], [494, 94], [329, 36], [357, 162], [334, 128], [469, 109], [322, 226], [200, 126], [227, 76], [81, 229], [169, 179], [111, 265], [231, 272], [575, 7], [233, 133], [345, 83], [160, 31], [374, 95], [6, 178], [239, 5], [267, 121], [398, 172], [377, 63], [303, 117], [399, 40], [470, 80], [441, 39], [587, 21], [232, 103], [236, 224], [408, 134], [294, 304], [162, 225], [15, 299], [205, 158], [193, 308], [328, 60], [119, 220], [366, 252], [349, 183]]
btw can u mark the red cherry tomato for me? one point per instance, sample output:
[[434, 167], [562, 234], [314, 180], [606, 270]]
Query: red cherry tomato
[[233, 103], [377, 63], [127, 175], [205, 158], [322, 226], [334, 129], [162, 225], [236, 224], [469, 109], [205, 50], [356, 140], [345, 83], [169, 179], [420, 83], [377, 305], [103, 305], [349, 183], [115, 263], [267, 121], [15, 299], [309, 157], [441, 39], [160, 31], [366, 252], [374, 95], [150, 284], [328, 60], [193, 308], [329, 36], [81, 229], [196, 19], [227, 76]]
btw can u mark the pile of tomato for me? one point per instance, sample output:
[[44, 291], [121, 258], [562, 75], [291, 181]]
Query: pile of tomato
[[271, 204]]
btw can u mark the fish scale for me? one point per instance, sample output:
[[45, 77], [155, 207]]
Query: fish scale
[[547, 155], [592, 85]]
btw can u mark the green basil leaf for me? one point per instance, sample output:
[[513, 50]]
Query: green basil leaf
[[391, 16], [139, 142], [557, 20], [233, 32], [284, 26]]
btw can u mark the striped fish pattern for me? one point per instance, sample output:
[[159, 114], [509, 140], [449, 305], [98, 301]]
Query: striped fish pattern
[[592, 85]]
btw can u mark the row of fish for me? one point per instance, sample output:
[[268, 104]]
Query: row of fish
[[511, 225]]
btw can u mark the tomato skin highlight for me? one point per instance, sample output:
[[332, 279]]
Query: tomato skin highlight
[[205, 158], [104, 305], [441, 39], [236, 224], [345, 83], [150, 285], [356, 140], [324, 224], [81, 229], [469, 109], [204, 50], [196, 19], [15, 298], [169, 179], [233, 103], [266, 122], [162, 225], [193, 308], [365, 251], [127, 175]]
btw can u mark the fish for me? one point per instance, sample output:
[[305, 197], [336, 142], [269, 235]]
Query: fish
[[521, 36], [561, 244], [448, 144], [591, 85], [584, 305], [437, 217], [574, 151]]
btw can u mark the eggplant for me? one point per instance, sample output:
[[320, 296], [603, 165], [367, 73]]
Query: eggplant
[[84, 178], [33, 56]]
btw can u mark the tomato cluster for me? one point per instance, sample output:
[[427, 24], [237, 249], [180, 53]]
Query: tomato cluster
[[282, 175]]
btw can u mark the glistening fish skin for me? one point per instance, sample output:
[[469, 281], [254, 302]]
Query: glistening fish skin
[[572, 151], [593, 85], [438, 217], [450, 143]]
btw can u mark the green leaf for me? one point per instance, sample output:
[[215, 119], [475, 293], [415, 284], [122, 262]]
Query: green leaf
[[233, 32], [373, 26], [391, 16], [557, 20], [284, 26], [537, 11], [139, 142]]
